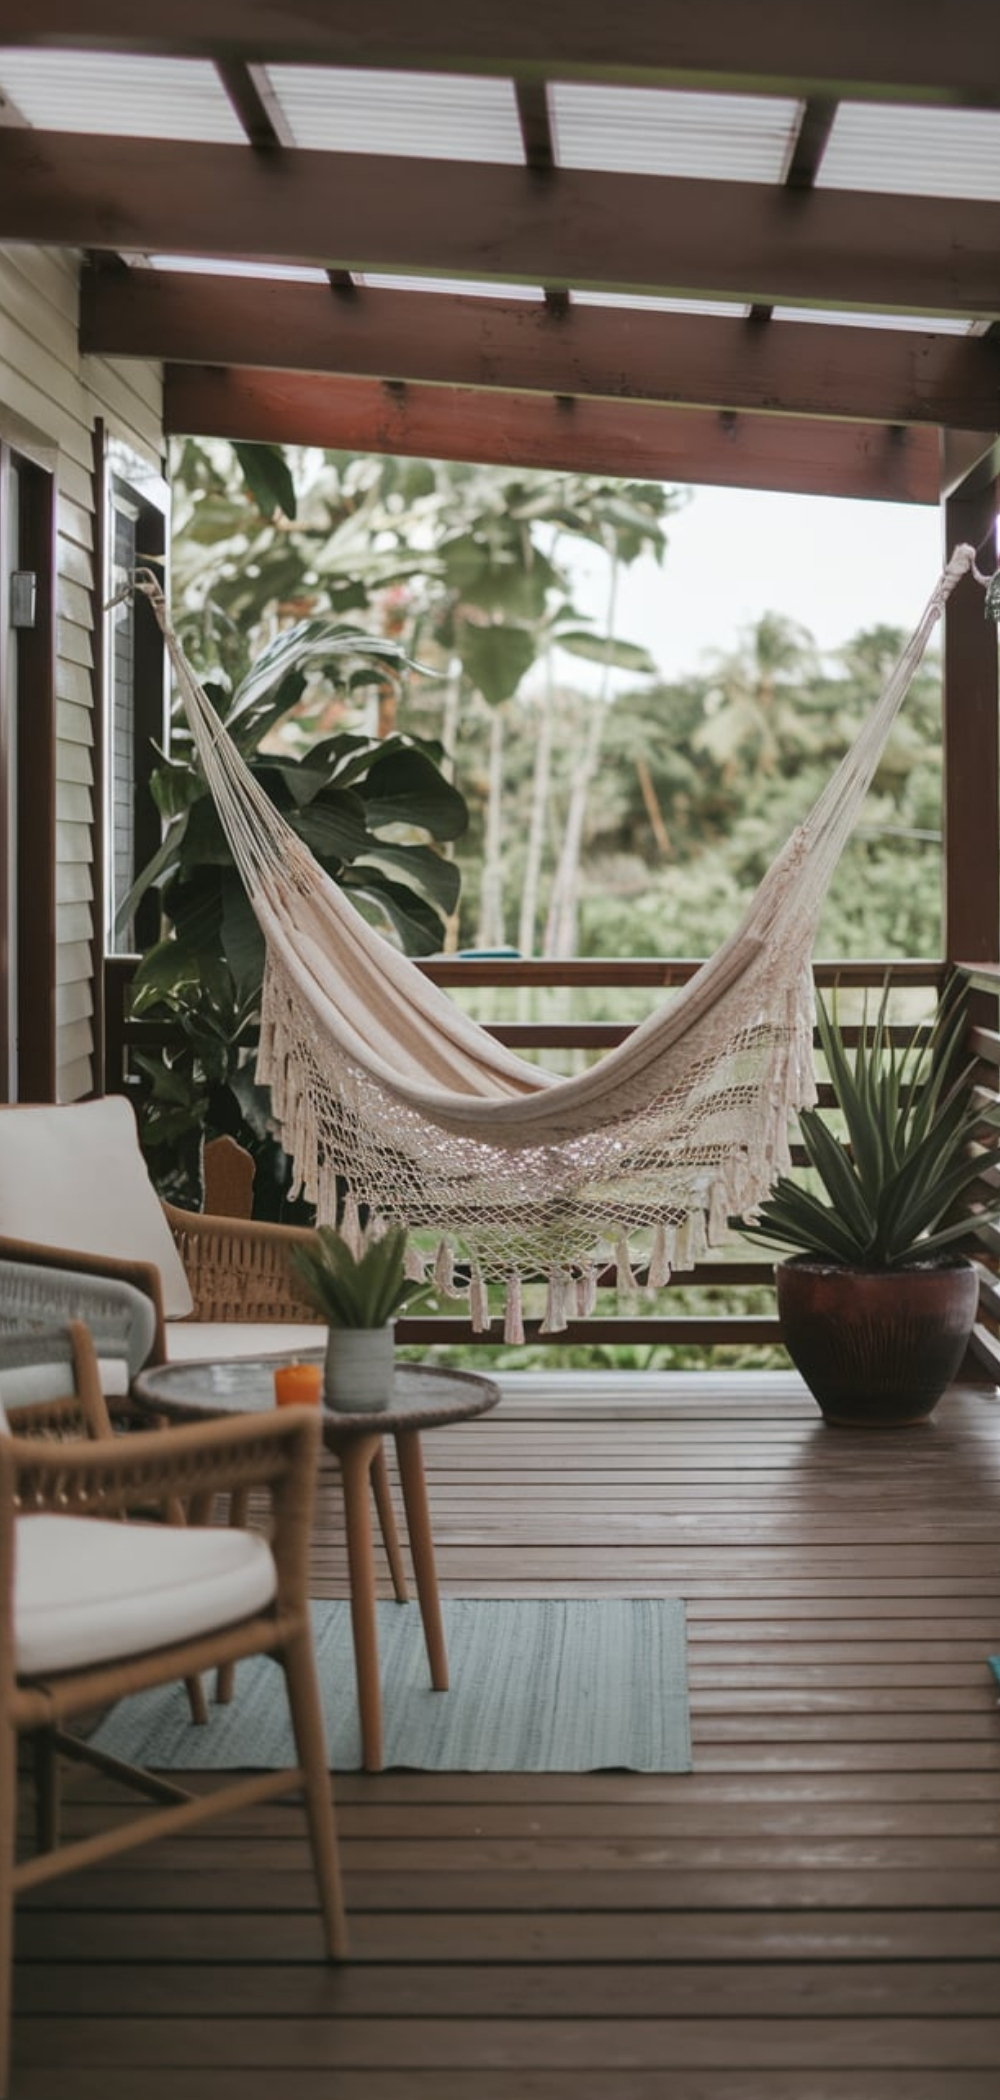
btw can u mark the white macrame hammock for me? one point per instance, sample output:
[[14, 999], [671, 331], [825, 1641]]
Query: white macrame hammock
[[380, 1082]]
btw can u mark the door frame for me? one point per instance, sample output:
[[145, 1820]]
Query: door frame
[[30, 769]]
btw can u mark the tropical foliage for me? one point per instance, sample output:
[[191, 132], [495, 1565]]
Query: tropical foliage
[[896, 1190], [374, 812]]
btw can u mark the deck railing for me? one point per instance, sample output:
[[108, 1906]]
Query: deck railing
[[513, 985]]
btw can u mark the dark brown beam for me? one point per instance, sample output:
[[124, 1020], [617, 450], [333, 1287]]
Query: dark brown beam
[[257, 108], [814, 131], [536, 130], [971, 741], [592, 437], [795, 367], [634, 232], [811, 144], [909, 52]]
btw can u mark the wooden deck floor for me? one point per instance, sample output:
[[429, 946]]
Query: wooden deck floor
[[812, 1914]]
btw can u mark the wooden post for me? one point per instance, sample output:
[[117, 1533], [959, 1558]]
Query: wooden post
[[971, 738]]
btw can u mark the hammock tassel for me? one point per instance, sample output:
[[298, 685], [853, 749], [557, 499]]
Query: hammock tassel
[[624, 1279], [586, 1293], [479, 1304], [555, 1304], [350, 1227], [718, 1213], [660, 1257], [444, 1269], [513, 1319]]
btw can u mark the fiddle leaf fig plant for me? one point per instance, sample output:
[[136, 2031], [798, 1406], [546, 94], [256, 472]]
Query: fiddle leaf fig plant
[[364, 1290], [897, 1190], [373, 811]]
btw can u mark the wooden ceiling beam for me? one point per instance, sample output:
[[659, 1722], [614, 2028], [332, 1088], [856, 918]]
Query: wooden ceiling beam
[[575, 228], [634, 439], [910, 53], [792, 367]]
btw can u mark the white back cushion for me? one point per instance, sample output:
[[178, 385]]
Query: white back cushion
[[74, 1176]]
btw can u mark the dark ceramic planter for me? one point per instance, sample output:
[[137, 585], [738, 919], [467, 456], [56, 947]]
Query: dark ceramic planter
[[876, 1347]]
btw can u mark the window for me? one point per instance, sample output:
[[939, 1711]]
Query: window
[[135, 697]]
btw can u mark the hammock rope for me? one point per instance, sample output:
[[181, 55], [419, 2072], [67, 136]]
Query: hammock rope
[[379, 1082]]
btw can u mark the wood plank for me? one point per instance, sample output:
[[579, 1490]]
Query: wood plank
[[586, 436], [586, 229], [855, 52], [892, 376], [809, 1915], [674, 2045]]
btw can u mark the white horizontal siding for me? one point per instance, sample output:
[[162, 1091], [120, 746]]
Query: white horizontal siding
[[48, 393]]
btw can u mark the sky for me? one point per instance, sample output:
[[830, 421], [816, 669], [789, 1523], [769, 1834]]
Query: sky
[[833, 565]]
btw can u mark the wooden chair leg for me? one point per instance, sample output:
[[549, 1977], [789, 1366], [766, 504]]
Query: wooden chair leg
[[46, 1790], [8, 1815], [225, 1677], [310, 1741]]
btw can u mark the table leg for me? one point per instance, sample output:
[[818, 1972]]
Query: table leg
[[414, 1486], [387, 1520], [356, 1455]]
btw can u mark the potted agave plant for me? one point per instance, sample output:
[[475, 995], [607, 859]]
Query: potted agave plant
[[877, 1302], [359, 1297]]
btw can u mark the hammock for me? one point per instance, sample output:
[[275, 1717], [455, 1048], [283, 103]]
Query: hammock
[[380, 1082]]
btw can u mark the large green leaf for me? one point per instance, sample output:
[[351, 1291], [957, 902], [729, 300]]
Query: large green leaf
[[205, 842], [333, 828], [496, 658], [404, 787], [242, 939], [310, 647], [598, 649], [416, 923], [499, 570], [420, 868], [267, 476], [158, 870]]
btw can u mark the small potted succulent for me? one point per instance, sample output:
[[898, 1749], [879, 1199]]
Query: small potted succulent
[[359, 1297], [876, 1302]]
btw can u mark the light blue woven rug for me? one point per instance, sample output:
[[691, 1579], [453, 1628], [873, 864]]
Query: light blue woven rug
[[537, 1685]]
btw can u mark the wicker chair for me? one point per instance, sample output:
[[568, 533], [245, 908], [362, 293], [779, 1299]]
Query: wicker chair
[[75, 1195], [103, 1608]]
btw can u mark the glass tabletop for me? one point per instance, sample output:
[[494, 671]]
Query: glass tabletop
[[423, 1394]]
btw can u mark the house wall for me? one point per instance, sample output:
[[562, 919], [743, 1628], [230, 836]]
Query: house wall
[[50, 399]]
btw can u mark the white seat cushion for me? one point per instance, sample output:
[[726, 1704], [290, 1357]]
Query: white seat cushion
[[74, 1176], [190, 1340], [88, 1591]]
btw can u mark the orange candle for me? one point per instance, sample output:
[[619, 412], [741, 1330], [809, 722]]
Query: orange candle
[[298, 1385]]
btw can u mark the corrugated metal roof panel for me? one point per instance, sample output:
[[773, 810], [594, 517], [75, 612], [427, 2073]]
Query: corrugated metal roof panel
[[430, 115], [643, 304], [661, 131], [217, 266], [458, 287], [917, 151], [927, 324], [109, 93]]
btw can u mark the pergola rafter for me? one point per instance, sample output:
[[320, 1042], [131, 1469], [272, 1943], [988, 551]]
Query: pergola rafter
[[611, 353], [886, 54], [641, 439], [573, 228]]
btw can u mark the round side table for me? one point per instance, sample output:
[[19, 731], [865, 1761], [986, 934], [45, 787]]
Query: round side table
[[423, 1398]]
